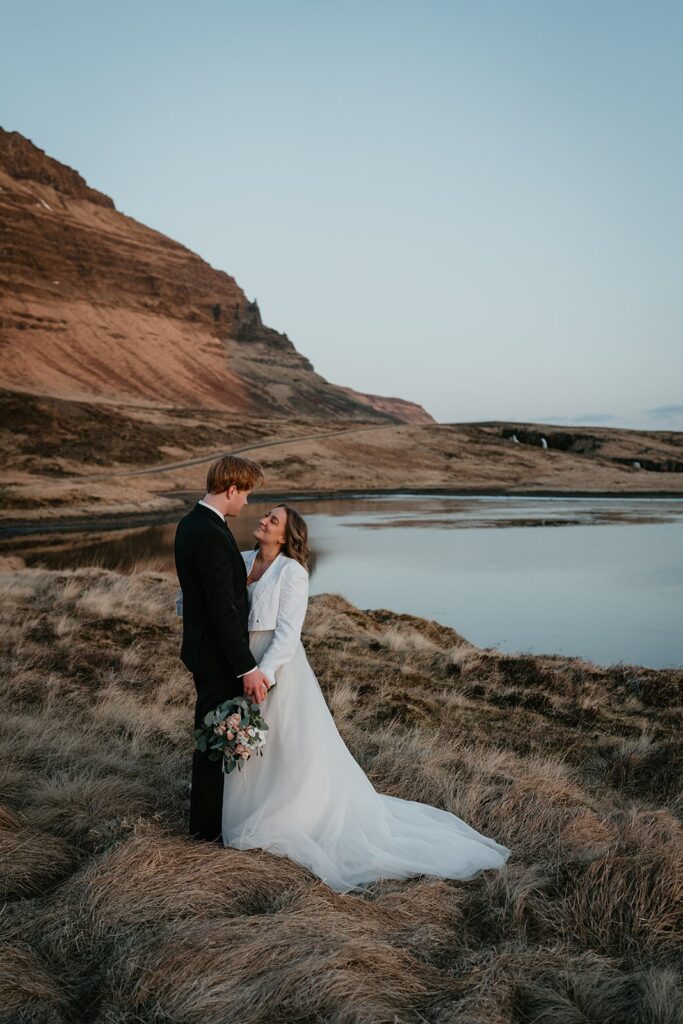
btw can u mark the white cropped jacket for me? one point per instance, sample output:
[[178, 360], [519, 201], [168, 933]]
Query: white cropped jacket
[[278, 601]]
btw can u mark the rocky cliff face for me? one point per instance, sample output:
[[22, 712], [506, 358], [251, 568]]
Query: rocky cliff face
[[25, 162], [407, 412], [97, 307]]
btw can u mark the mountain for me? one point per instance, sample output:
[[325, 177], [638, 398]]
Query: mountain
[[96, 307], [408, 412]]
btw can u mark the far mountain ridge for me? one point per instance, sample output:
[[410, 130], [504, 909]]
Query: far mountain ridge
[[96, 307], [410, 412]]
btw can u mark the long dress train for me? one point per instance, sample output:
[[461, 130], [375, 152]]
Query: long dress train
[[309, 800]]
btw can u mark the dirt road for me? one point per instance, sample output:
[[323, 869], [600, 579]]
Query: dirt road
[[197, 460]]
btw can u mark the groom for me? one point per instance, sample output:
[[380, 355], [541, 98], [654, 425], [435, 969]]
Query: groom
[[215, 613]]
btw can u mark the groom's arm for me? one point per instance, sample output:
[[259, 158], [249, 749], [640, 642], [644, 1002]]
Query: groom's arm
[[217, 574]]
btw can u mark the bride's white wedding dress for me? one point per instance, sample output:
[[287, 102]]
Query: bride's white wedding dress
[[307, 798]]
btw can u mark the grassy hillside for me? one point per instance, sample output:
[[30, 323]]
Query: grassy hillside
[[113, 916]]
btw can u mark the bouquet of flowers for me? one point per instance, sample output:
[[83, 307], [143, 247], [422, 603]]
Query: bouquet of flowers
[[233, 732]]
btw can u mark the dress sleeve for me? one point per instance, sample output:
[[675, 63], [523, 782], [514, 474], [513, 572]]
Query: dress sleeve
[[290, 619]]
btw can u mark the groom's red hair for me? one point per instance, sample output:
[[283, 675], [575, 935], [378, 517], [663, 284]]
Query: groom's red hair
[[231, 470]]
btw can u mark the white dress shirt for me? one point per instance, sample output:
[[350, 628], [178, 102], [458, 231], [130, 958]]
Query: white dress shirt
[[206, 505]]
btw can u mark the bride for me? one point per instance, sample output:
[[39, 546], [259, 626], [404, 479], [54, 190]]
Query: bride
[[307, 798]]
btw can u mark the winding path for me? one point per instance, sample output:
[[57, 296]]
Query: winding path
[[197, 460]]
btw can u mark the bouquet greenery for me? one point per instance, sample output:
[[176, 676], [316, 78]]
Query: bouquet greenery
[[234, 732]]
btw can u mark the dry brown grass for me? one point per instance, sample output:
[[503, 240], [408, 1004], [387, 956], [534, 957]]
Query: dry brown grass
[[111, 915], [75, 466]]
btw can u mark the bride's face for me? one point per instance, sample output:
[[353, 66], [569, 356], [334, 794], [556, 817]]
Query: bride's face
[[271, 529]]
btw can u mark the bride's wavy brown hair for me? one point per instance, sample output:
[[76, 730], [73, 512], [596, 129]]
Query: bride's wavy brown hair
[[296, 538]]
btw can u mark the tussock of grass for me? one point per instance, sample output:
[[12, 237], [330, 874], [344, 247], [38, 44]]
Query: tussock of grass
[[112, 915], [131, 885], [575, 993], [28, 990], [329, 967], [31, 862]]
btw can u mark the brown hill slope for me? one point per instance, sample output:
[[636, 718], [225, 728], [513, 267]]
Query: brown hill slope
[[97, 307], [409, 412]]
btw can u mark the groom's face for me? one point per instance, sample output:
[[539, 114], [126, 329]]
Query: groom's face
[[235, 501]]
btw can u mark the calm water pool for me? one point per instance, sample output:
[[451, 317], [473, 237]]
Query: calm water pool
[[601, 578]]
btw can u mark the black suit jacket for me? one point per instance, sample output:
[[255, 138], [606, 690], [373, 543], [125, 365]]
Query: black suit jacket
[[215, 607]]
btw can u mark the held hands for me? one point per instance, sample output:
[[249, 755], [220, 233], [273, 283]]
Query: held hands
[[256, 686]]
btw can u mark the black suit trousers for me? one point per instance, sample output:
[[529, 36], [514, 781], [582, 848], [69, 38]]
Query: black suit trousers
[[206, 796]]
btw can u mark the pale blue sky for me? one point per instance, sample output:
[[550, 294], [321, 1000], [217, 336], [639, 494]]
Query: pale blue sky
[[476, 205]]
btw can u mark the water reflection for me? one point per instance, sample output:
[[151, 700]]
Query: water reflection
[[600, 578]]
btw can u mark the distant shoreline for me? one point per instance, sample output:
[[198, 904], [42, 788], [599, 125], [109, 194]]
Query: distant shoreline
[[131, 520]]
